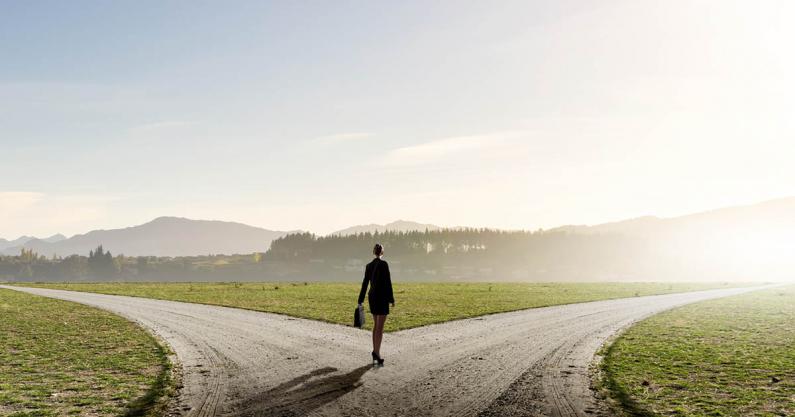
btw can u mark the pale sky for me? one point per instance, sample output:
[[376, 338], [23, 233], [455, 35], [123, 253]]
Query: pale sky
[[321, 115]]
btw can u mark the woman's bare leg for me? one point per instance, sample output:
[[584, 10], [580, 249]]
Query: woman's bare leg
[[378, 333], [375, 333], [381, 331]]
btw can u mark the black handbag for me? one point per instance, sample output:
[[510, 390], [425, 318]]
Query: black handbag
[[358, 316]]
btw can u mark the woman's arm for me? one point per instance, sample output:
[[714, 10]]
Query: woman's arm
[[389, 284], [364, 286]]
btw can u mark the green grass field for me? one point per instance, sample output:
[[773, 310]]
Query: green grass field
[[727, 357], [61, 358], [418, 304]]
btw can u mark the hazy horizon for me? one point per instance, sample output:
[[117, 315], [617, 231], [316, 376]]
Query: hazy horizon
[[288, 116], [367, 225]]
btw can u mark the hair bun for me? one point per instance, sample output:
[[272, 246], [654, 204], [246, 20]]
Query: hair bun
[[378, 249]]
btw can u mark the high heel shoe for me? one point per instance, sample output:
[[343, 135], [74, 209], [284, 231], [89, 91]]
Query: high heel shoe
[[377, 361]]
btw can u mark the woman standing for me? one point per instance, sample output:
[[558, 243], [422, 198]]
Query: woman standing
[[376, 273]]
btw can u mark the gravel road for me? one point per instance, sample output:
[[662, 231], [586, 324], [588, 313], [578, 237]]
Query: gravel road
[[524, 363]]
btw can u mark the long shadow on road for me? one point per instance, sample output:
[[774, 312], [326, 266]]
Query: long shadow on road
[[303, 394]]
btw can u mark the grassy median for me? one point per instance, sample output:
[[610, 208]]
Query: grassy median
[[418, 304], [727, 357], [61, 358]]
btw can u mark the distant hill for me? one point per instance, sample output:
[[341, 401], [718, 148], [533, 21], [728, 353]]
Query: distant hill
[[752, 242], [638, 225], [5, 244], [769, 216], [396, 226], [164, 236], [54, 238]]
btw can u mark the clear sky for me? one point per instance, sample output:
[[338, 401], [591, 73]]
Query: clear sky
[[321, 115]]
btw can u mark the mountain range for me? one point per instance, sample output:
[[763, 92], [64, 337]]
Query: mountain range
[[22, 240], [163, 236], [742, 226]]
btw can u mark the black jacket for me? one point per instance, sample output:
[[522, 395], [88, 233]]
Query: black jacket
[[377, 271]]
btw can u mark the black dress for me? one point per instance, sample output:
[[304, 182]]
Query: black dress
[[376, 273]]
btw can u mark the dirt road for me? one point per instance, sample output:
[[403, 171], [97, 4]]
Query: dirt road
[[244, 363]]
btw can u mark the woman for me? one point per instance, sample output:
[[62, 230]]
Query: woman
[[376, 273]]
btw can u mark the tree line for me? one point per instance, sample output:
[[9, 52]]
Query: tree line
[[102, 265], [467, 254], [448, 254]]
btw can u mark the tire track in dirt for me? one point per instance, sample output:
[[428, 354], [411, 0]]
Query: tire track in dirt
[[524, 363]]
